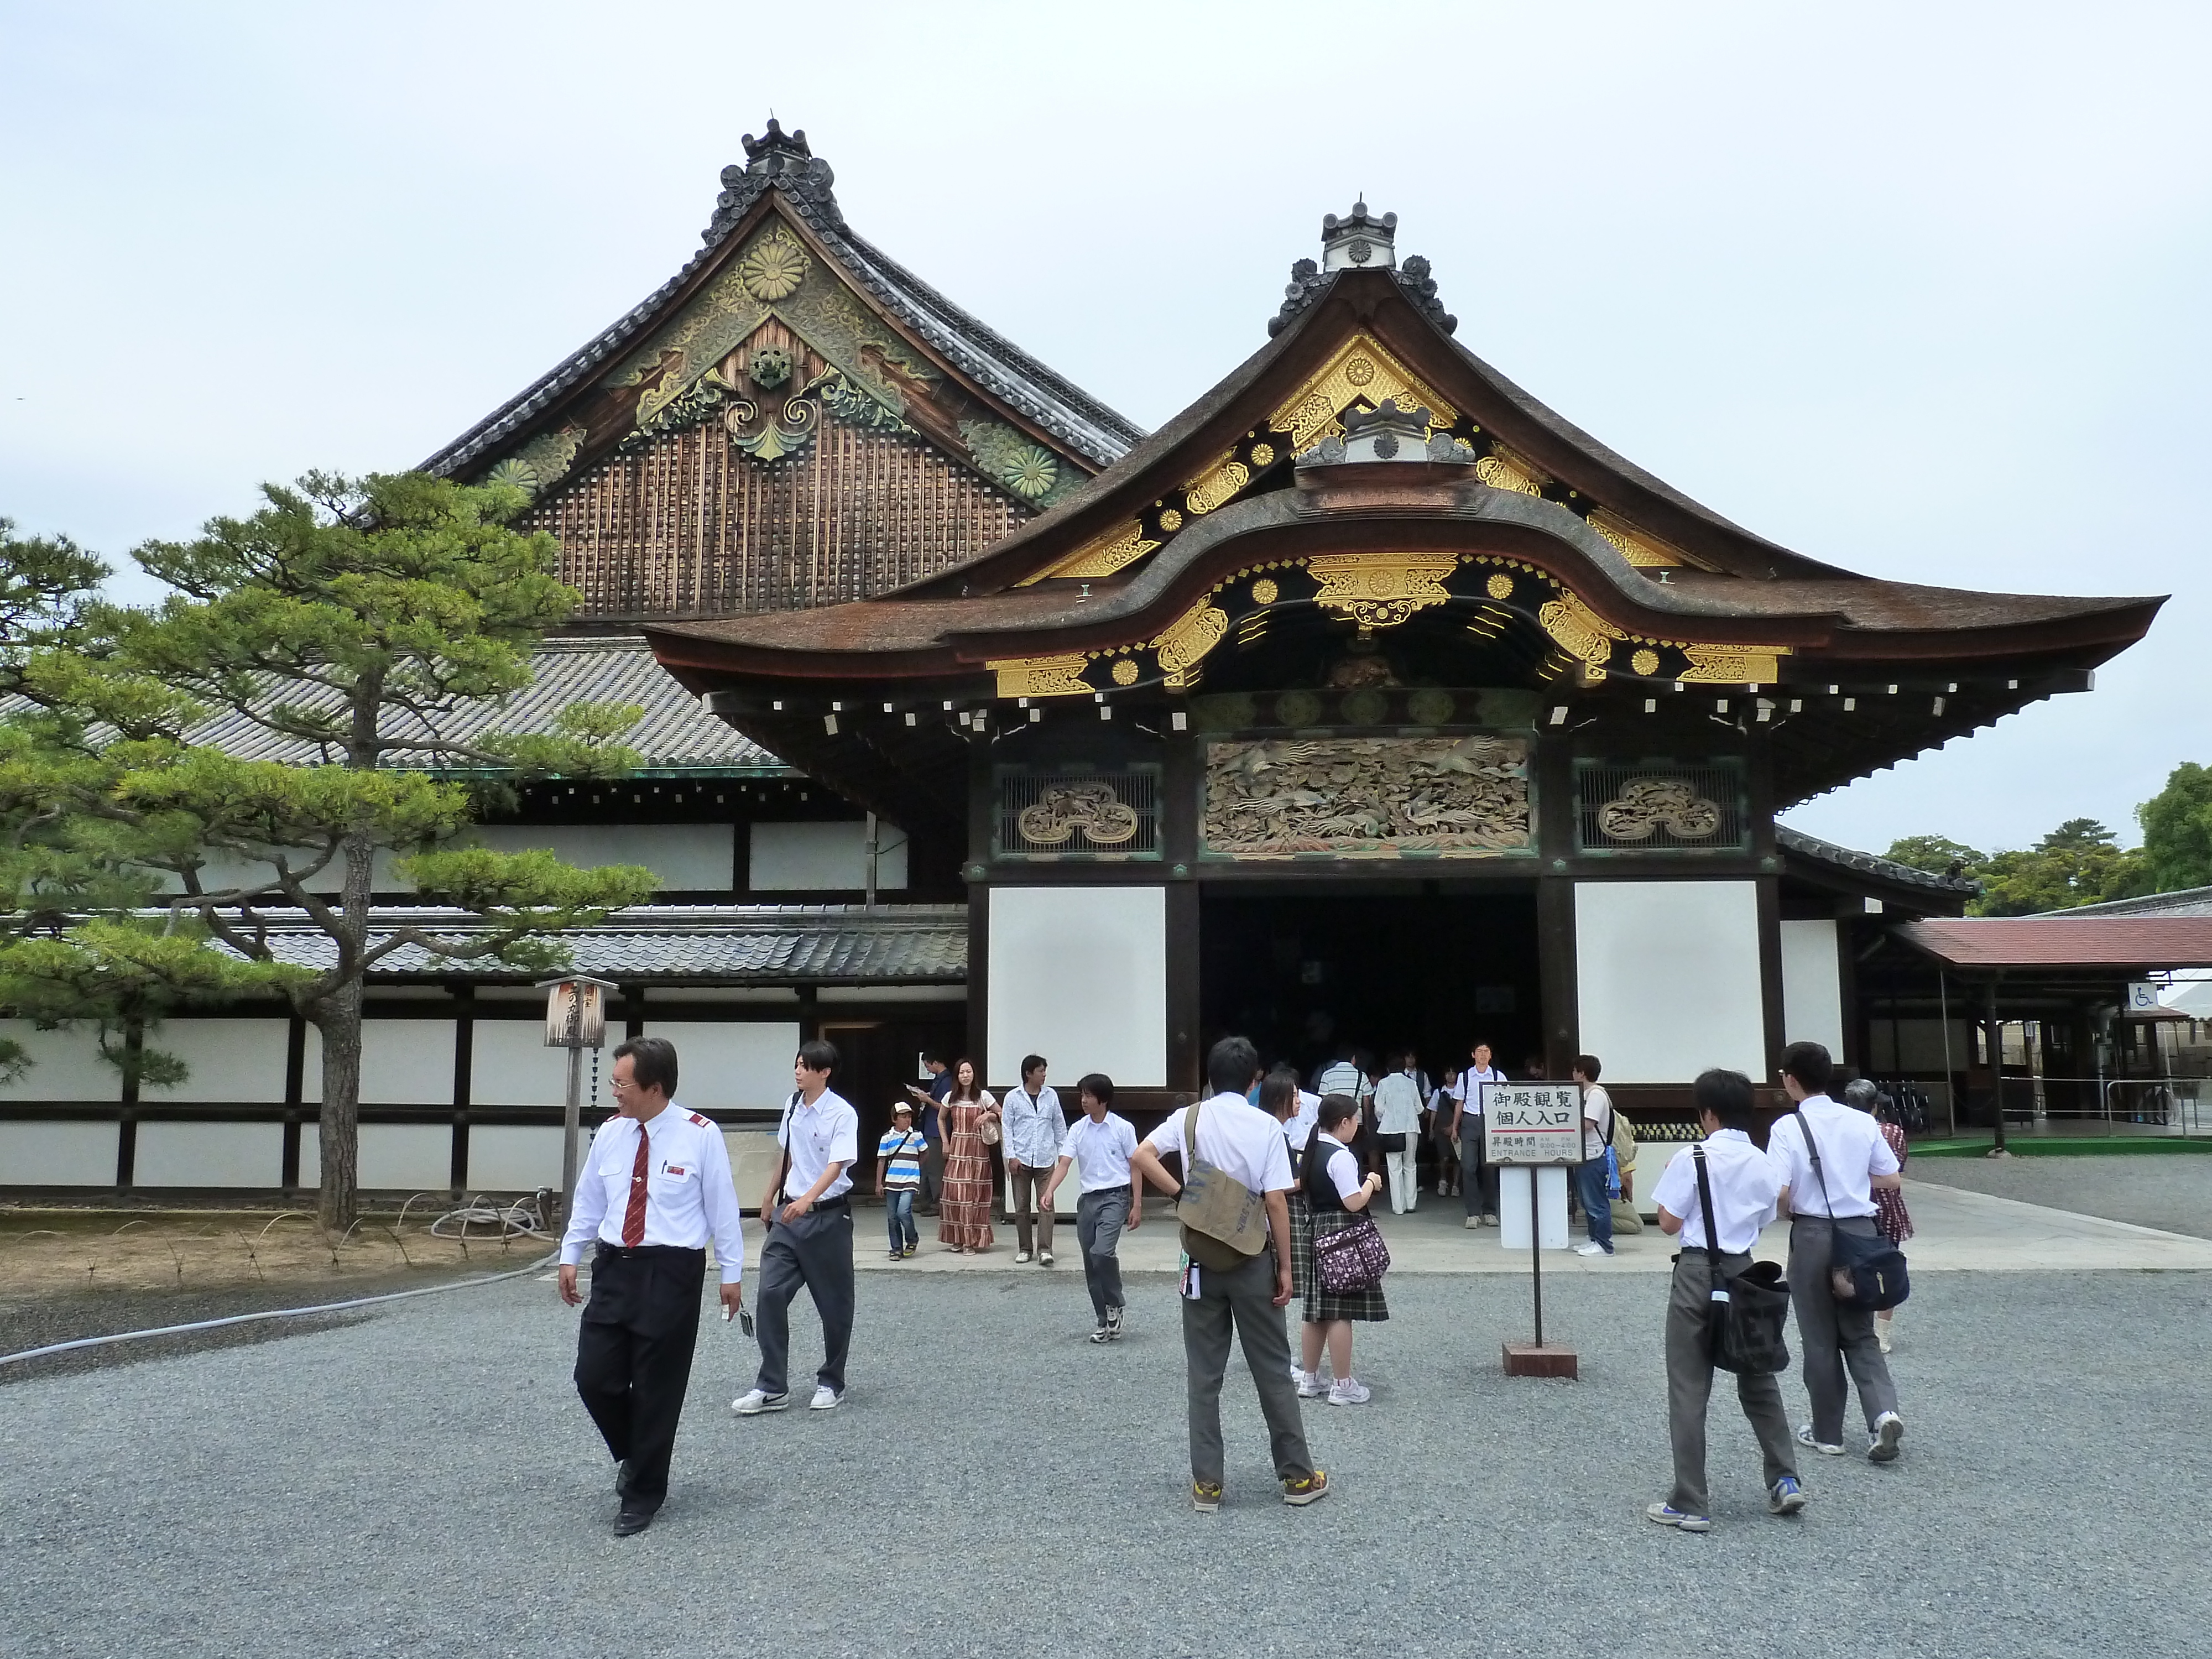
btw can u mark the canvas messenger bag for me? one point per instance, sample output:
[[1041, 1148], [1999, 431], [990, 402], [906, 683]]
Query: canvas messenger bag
[[1225, 1223]]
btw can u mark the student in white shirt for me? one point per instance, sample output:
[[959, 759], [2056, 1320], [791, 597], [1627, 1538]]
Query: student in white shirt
[[655, 1187], [1398, 1105], [1836, 1195], [1099, 1145], [809, 1211], [1335, 1196], [1443, 1118], [1247, 1146], [1744, 1193], [1591, 1184], [1478, 1181], [1035, 1125]]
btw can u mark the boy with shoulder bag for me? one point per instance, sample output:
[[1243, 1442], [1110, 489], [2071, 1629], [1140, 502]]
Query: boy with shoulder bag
[[1716, 1197]]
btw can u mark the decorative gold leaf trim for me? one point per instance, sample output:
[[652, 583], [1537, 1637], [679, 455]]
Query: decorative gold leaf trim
[[1041, 677], [1502, 470], [1102, 557], [1360, 372], [1581, 632], [1188, 640], [1740, 664], [1264, 592], [1380, 590], [1217, 485], [1635, 547]]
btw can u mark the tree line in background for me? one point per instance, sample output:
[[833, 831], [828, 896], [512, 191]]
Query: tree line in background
[[2082, 862], [362, 625]]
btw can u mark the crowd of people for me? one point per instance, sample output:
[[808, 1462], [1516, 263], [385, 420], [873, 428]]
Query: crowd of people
[[1273, 1186]]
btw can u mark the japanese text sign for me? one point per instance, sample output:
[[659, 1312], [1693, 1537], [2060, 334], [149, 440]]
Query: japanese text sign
[[1533, 1123]]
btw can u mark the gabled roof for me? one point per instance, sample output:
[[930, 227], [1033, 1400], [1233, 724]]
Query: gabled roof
[[782, 176], [1798, 844], [2119, 944]]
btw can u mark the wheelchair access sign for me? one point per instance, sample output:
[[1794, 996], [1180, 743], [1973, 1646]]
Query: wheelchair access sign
[[1532, 1123]]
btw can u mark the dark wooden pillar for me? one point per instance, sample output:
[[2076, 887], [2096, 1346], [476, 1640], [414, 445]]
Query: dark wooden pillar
[[1555, 959], [1996, 1040], [1181, 781], [1774, 1016]]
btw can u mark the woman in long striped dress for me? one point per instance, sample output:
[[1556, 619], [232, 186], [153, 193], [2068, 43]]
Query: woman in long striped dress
[[964, 1206]]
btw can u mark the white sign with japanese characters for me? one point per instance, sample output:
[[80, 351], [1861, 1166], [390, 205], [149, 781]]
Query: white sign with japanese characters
[[1533, 1123]]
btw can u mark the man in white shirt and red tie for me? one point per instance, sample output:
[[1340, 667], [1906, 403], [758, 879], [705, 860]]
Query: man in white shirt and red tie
[[809, 1212], [654, 1188]]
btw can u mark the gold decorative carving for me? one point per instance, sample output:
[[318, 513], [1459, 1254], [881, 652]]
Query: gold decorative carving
[[1062, 808], [1581, 632], [1309, 412], [1263, 454], [1645, 662], [1741, 664], [1188, 640], [1102, 557], [1380, 590], [1264, 592], [775, 265], [1125, 672], [1218, 485], [1500, 471], [1367, 796], [1500, 585], [1646, 806], [1633, 546], [1041, 677], [1171, 520]]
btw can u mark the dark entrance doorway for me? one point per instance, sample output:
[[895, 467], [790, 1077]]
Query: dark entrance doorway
[[876, 1059], [1300, 971]]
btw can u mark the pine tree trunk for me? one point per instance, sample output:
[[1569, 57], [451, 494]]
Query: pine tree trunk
[[339, 1018]]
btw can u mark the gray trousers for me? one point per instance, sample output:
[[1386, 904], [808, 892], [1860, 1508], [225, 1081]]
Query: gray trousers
[[1244, 1298], [1832, 1336], [1099, 1218], [1690, 1386], [815, 1251]]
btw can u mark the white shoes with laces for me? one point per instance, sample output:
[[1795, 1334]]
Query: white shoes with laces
[[756, 1401], [825, 1399], [1349, 1391]]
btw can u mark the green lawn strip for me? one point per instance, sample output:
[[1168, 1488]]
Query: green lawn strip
[[2065, 1146]]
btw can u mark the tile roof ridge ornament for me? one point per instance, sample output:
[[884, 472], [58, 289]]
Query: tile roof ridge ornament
[[776, 160], [1360, 242]]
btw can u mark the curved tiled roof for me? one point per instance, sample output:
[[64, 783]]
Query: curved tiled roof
[[1869, 864]]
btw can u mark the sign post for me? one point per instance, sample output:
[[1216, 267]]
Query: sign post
[[576, 1020], [1533, 1125]]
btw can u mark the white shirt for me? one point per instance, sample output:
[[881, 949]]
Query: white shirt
[[1398, 1105], [1342, 1168], [1100, 1152], [1236, 1138], [1470, 1087], [1341, 1079], [1597, 1120], [688, 1195], [826, 1133], [1851, 1151], [1745, 1188], [1300, 1130], [1035, 1126]]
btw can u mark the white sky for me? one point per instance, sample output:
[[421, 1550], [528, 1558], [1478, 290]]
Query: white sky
[[1917, 290]]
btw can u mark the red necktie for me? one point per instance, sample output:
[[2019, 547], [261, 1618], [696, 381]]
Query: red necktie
[[633, 1217]]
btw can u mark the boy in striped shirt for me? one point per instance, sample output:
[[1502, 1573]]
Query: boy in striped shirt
[[898, 1179]]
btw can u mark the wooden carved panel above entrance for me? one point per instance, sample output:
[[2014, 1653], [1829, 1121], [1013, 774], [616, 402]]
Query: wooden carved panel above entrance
[[1367, 797]]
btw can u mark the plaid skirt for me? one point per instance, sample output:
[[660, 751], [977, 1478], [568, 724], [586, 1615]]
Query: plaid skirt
[[1321, 1308]]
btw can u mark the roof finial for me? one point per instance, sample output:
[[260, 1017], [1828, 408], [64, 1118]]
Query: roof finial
[[1359, 239], [781, 160]]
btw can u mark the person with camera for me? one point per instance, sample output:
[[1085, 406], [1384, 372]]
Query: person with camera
[[1744, 1191]]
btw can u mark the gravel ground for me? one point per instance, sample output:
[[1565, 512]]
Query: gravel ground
[[2170, 1191], [424, 1482]]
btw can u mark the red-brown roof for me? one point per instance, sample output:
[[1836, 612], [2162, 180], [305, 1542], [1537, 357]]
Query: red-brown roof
[[2100, 942]]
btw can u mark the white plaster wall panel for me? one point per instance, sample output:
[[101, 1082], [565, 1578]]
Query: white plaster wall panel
[[724, 1065], [1812, 985], [38, 1154], [509, 1065], [687, 857], [514, 1158], [413, 1158], [208, 1155], [1079, 975], [817, 857], [231, 1061], [65, 1065], [1667, 978], [230, 869], [406, 1062]]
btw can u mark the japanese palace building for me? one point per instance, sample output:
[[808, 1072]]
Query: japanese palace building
[[1368, 700]]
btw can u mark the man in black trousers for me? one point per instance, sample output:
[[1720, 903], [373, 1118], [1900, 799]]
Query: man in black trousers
[[655, 1187]]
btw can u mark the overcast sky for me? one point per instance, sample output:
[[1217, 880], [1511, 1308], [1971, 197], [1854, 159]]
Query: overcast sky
[[1917, 290]]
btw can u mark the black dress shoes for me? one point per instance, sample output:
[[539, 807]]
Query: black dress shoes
[[635, 1518]]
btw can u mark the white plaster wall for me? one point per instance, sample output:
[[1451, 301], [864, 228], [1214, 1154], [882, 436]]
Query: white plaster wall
[[800, 857], [208, 1155], [1667, 978], [722, 1065], [514, 1158], [686, 856], [403, 1062], [1812, 985], [36, 1154], [1079, 975], [509, 1065], [239, 1062], [65, 1065], [415, 1157]]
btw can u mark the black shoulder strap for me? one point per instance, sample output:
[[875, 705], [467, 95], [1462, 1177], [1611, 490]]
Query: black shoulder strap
[[1705, 1202], [783, 1169], [1813, 1152]]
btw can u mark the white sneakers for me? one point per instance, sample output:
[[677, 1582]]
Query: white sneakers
[[1044, 1258], [1805, 1438], [1021, 1258], [825, 1399], [1309, 1384], [754, 1401], [1889, 1430], [1348, 1391], [1591, 1247]]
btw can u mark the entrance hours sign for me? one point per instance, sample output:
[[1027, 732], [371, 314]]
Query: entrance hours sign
[[1531, 1123]]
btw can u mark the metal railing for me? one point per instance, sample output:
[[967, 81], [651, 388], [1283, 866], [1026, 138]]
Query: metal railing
[[2180, 1107]]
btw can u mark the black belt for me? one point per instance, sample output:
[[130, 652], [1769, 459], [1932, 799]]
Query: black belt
[[842, 1201], [624, 1251]]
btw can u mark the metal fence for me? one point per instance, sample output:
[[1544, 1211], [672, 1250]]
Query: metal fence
[[2179, 1107]]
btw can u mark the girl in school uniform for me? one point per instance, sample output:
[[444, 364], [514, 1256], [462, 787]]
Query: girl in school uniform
[[1337, 1196]]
